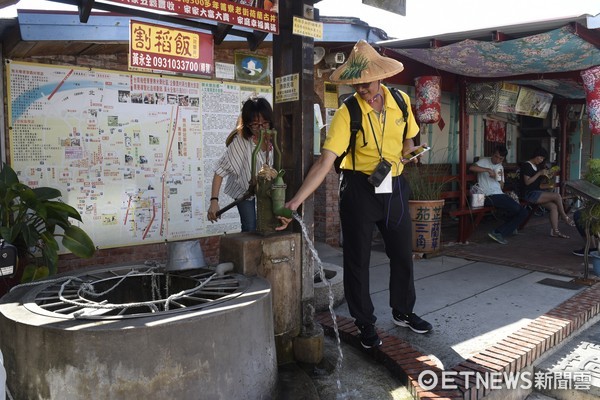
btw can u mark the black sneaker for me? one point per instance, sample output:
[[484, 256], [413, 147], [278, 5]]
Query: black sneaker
[[412, 321], [581, 252], [368, 336]]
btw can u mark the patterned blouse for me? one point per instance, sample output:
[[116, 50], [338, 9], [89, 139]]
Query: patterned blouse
[[235, 164]]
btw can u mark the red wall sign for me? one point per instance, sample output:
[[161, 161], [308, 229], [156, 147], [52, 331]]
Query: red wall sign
[[228, 12]]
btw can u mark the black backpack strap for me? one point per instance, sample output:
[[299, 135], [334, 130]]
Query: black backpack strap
[[403, 107], [355, 126]]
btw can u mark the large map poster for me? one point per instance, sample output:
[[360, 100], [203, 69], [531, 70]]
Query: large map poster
[[134, 153]]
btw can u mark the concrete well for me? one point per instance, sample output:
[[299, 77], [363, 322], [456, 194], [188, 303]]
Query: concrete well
[[221, 350]]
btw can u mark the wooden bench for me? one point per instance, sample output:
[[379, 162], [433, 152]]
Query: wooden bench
[[468, 217]]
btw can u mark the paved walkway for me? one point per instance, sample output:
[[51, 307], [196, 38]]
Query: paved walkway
[[487, 318]]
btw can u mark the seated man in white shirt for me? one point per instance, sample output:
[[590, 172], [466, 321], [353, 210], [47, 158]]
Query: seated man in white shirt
[[490, 177]]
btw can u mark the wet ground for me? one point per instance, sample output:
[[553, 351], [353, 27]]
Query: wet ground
[[360, 377], [474, 294]]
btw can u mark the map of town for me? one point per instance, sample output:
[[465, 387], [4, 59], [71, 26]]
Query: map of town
[[133, 153]]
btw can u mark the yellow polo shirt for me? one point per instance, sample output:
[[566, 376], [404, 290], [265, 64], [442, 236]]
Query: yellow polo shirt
[[380, 130]]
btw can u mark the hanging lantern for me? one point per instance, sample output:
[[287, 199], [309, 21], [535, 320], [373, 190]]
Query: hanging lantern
[[591, 85], [429, 96]]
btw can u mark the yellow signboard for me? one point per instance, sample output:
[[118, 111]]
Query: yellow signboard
[[287, 88], [331, 95], [306, 27], [163, 48], [164, 40]]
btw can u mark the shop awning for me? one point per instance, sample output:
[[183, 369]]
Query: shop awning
[[549, 60]]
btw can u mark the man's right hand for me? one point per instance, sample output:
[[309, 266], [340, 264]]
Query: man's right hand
[[284, 223]]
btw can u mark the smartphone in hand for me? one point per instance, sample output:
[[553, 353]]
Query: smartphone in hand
[[416, 153]]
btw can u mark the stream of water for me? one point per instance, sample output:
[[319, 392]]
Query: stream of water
[[319, 265]]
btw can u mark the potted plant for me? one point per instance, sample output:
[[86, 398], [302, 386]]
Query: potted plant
[[427, 181], [425, 204], [32, 219], [590, 213]]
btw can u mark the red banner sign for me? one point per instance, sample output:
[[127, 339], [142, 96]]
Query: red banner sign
[[162, 48], [236, 12]]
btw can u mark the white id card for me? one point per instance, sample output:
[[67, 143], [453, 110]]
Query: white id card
[[386, 185]]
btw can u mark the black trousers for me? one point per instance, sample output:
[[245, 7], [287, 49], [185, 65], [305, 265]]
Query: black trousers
[[360, 211]]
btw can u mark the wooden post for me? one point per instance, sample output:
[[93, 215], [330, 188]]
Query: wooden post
[[293, 55], [463, 142], [564, 148]]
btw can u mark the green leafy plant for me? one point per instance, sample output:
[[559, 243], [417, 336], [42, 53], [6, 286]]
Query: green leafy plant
[[427, 181], [29, 220], [593, 171], [591, 212]]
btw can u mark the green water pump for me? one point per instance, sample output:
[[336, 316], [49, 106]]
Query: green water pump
[[270, 189]]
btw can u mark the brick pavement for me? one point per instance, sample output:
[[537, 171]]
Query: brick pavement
[[512, 354]]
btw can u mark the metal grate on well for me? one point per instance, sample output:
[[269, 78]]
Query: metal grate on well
[[133, 292]]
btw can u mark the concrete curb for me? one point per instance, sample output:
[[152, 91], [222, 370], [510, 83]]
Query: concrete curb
[[514, 353]]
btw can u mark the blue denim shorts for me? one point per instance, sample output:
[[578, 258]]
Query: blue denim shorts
[[533, 196]]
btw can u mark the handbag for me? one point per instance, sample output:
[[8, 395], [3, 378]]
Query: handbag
[[477, 196], [477, 200]]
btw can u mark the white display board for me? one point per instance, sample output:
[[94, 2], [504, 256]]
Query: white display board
[[134, 153]]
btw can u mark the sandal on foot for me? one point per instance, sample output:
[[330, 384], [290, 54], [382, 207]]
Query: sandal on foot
[[556, 233], [569, 221]]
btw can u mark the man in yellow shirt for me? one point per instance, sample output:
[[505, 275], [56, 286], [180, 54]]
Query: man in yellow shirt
[[372, 192]]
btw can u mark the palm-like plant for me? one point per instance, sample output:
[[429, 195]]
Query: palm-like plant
[[29, 220], [591, 211]]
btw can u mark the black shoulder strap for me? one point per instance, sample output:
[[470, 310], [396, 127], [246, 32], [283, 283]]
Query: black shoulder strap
[[403, 107], [355, 123]]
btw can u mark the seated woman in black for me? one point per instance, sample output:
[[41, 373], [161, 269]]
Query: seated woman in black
[[533, 173]]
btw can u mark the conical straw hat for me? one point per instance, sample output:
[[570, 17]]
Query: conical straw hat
[[365, 65]]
